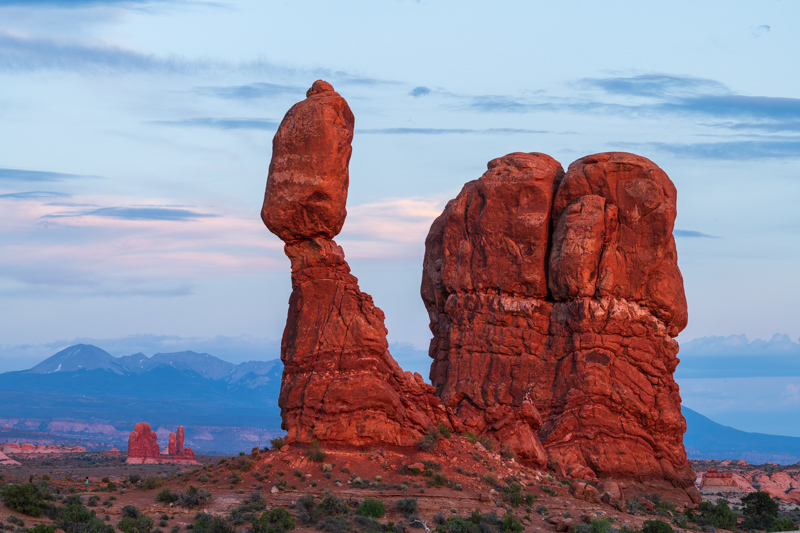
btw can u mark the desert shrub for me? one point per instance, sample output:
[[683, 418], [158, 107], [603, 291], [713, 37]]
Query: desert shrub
[[511, 524], [438, 480], [407, 506], [193, 497], [163, 523], [42, 528], [335, 524], [760, 510], [506, 452], [512, 493], [542, 510], [93, 499], [372, 508], [175, 529], [315, 452], [783, 523], [129, 511], [717, 515], [278, 520], [306, 509], [207, 523], [152, 482], [470, 436], [141, 524], [432, 437], [656, 526], [111, 486], [277, 443], [598, 525], [165, 495], [134, 478], [491, 480], [332, 506], [28, 499], [487, 442], [75, 518]]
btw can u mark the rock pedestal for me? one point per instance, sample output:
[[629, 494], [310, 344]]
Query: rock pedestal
[[340, 385]]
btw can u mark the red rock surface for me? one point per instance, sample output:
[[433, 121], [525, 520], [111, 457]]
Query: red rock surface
[[6, 460], [308, 175], [340, 384], [571, 360], [12, 447], [143, 447]]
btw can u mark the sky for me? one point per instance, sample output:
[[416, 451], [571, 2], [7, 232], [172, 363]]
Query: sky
[[136, 137]]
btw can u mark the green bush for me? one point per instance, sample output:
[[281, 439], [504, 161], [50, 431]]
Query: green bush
[[75, 518], [598, 525], [141, 524], [407, 506], [278, 520], [717, 515], [193, 497], [783, 523], [760, 511], [315, 452], [165, 495], [511, 524], [371, 508], [332, 506], [276, 443], [433, 436], [42, 528], [656, 526], [306, 509], [207, 523], [152, 482], [28, 499]]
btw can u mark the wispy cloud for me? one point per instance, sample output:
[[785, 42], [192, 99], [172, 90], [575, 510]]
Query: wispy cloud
[[34, 195], [691, 234], [730, 150], [252, 91], [136, 213], [15, 174], [658, 85], [222, 123], [445, 131]]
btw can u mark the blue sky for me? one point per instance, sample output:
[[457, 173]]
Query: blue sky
[[137, 134]]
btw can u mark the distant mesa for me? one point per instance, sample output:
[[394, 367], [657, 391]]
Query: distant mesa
[[13, 447], [554, 298], [6, 460], [143, 447]]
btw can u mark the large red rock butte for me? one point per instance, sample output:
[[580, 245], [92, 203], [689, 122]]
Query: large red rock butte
[[340, 385], [143, 447], [553, 298]]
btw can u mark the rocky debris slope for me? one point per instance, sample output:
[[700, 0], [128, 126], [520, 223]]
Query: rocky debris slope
[[339, 384], [553, 298], [143, 447]]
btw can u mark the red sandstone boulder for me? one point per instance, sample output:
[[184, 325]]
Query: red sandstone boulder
[[340, 384], [308, 175]]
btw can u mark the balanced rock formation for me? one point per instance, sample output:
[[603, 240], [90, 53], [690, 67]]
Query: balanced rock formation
[[143, 447], [553, 298], [340, 384]]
